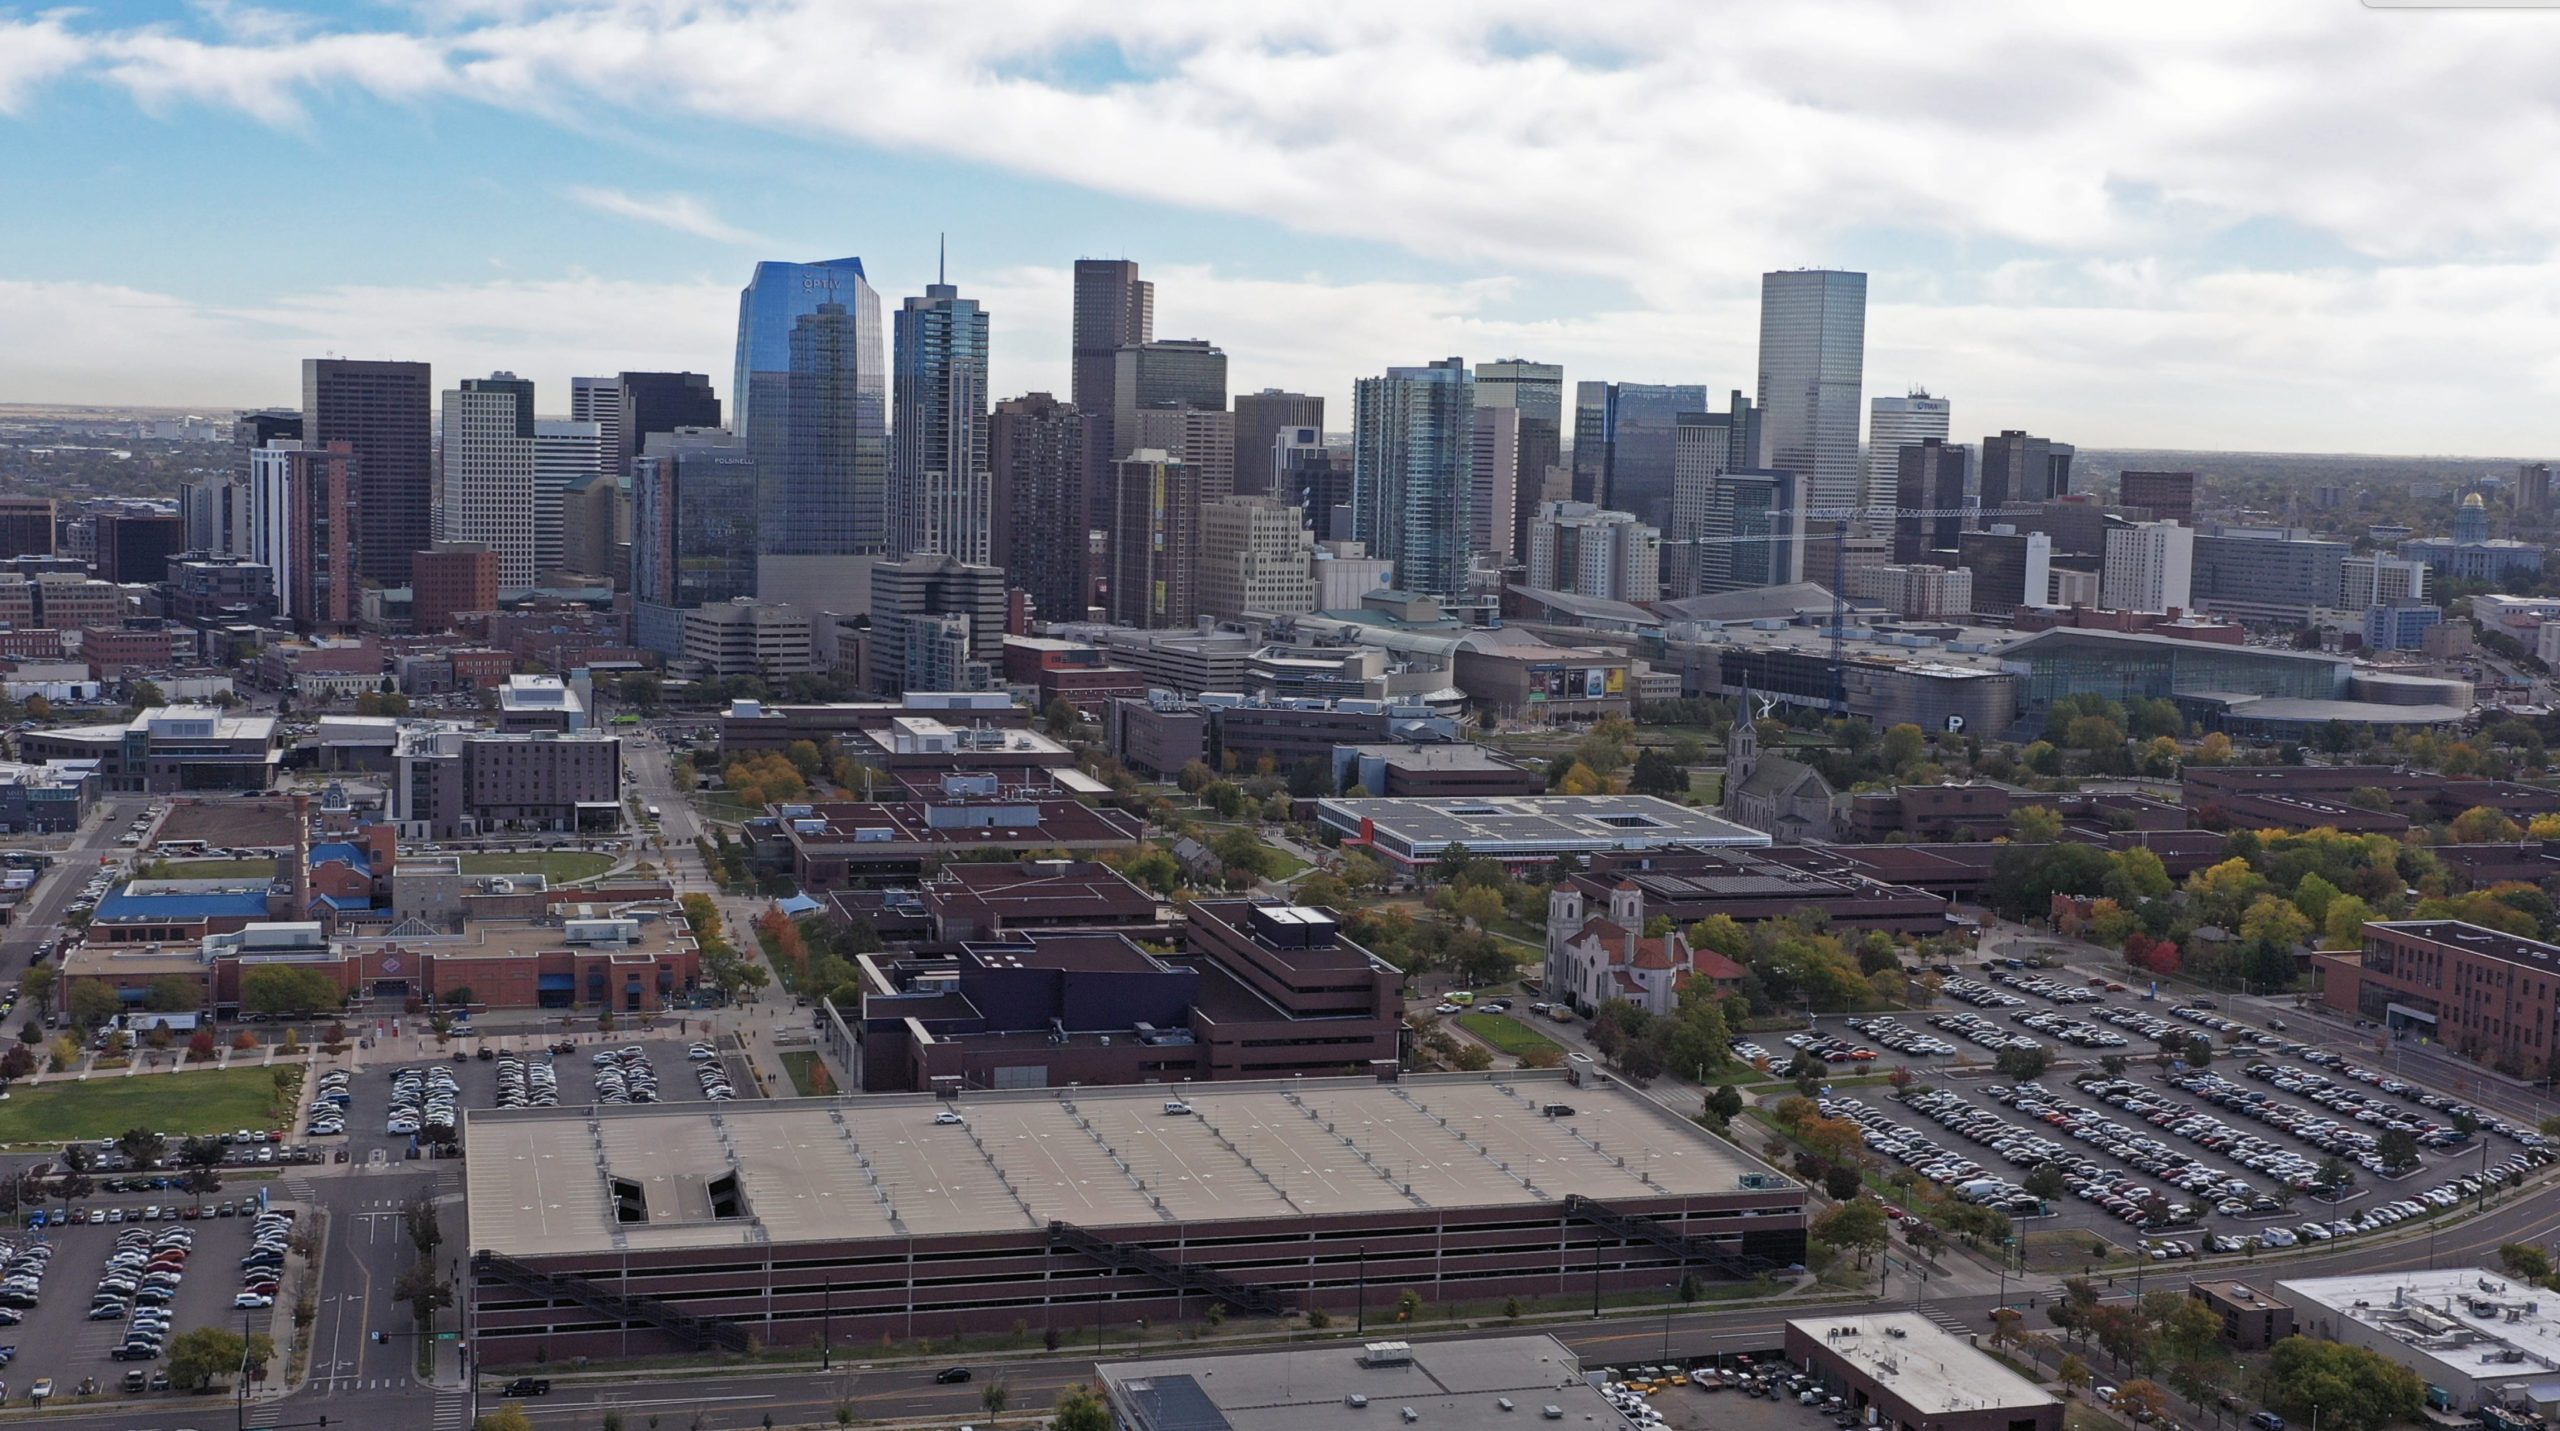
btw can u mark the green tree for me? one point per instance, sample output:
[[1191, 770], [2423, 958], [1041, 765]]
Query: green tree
[[1657, 774], [1902, 747], [1857, 1225], [36, 985], [200, 1357], [142, 1148], [2481, 825], [2525, 1262], [93, 1004], [1081, 1408], [2344, 926], [2023, 1064], [281, 989], [2355, 1389], [2035, 824], [1059, 716], [171, 994]]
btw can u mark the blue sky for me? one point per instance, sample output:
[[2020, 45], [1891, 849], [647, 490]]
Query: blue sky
[[2309, 226]]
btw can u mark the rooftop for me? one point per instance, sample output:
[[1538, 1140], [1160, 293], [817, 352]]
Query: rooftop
[[878, 1166], [2473, 939], [1929, 1368], [2474, 1322], [957, 822], [1549, 822], [146, 900], [1447, 1383]]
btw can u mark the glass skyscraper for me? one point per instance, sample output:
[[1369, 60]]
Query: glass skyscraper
[[693, 529], [1412, 471], [1632, 434], [938, 474], [811, 403], [1813, 355]]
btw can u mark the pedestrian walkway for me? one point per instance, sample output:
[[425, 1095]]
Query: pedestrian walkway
[[453, 1409], [1946, 1319]]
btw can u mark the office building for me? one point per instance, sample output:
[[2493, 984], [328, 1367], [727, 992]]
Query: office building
[[2378, 580], [1114, 309], [1316, 479], [2400, 627], [1201, 438], [488, 496], [135, 546], [27, 526], [1173, 374], [1496, 475], [1921, 592], [653, 403], [1900, 1369], [209, 590], [1260, 419], [251, 431], [1583, 550], [1038, 513], [693, 530], [2150, 567], [1413, 472], [1345, 573], [1536, 392], [2166, 496], [1813, 343], [303, 527], [811, 402], [939, 485], [214, 511], [2011, 569], [1894, 423], [1255, 555], [599, 401], [381, 410], [1153, 551], [2497, 560], [2267, 575], [595, 529], [167, 749], [448, 579], [1626, 445], [746, 637], [919, 589], [1755, 531], [565, 453], [2533, 487], [1935, 476], [2496, 996], [2018, 470]]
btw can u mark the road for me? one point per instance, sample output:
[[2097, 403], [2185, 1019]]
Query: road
[[40, 917]]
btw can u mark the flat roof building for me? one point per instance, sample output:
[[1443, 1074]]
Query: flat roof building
[[1471, 1382], [2481, 1336], [1914, 1375], [1525, 828], [2487, 994], [833, 843], [168, 748]]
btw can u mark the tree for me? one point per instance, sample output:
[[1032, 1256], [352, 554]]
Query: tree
[[2525, 1262], [2048, 1182], [2355, 1389], [2344, 926], [199, 1357], [1081, 1408], [281, 989], [2023, 1064], [2481, 825], [425, 1232], [510, 1417], [2396, 1149], [2143, 1399], [1725, 1102], [172, 993], [37, 984], [93, 1004], [1581, 779], [1902, 747], [1409, 1306], [425, 1292], [1657, 774], [2273, 921], [141, 1148], [2073, 1372], [998, 1396], [1857, 1225], [2035, 824], [1059, 716]]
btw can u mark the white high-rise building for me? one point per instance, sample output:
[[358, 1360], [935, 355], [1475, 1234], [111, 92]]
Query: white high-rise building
[[1583, 550], [1894, 423], [600, 401], [485, 489], [1813, 353], [2150, 567], [565, 453], [2379, 580], [1255, 555]]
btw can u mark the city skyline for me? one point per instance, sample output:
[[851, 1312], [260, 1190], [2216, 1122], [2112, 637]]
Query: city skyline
[[2214, 282]]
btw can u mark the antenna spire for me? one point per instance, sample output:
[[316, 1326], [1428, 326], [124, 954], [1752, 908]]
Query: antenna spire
[[941, 258]]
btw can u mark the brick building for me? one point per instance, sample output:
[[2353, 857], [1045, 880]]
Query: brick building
[[2490, 996]]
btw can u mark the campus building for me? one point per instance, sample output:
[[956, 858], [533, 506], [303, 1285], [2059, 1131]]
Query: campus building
[[167, 749], [1410, 834], [1900, 1370], [2491, 996]]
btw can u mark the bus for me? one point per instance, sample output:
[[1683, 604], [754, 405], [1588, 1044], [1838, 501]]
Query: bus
[[626, 718], [653, 811]]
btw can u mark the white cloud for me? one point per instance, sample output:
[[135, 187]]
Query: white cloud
[[31, 52], [683, 213]]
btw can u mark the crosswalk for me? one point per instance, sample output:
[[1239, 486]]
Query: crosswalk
[[452, 1409], [264, 1414], [1946, 1319]]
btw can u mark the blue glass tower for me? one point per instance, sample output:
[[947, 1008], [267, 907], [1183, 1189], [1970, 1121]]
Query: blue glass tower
[[939, 481], [1412, 472], [812, 403]]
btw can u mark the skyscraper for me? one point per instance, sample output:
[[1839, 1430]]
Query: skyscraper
[[1202, 438], [938, 487], [2019, 470], [565, 453], [600, 401], [1813, 345], [2150, 567], [1114, 309], [811, 401], [1039, 515], [1755, 530], [693, 530], [915, 603], [1894, 423], [302, 527], [652, 403], [1175, 373], [1536, 392], [381, 411], [1260, 418], [1495, 471], [1317, 481], [1932, 475], [1626, 445], [1154, 545], [488, 494], [135, 546], [1412, 472], [1702, 445], [2167, 496], [1255, 555]]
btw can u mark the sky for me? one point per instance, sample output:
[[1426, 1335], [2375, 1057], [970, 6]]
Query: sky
[[2284, 225]]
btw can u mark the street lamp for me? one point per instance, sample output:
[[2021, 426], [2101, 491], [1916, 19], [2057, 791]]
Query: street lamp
[[1667, 1307]]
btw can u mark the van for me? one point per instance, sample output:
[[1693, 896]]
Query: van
[[2267, 1421], [1462, 998]]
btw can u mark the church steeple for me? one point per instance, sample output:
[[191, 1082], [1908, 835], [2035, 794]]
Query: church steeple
[[1742, 743]]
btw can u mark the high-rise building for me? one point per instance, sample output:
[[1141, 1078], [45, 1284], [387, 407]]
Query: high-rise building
[[595, 530], [2378, 579], [1626, 439], [939, 485], [1039, 515], [1931, 475], [449, 579], [253, 430], [2533, 487], [1702, 445], [1583, 550], [1114, 309], [1496, 475], [811, 401], [2262, 574], [2168, 496], [913, 603], [2150, 567], [565, 453], [2019, 471], [381, 410], [136, 546], [1536, 392], [653, 403], [1894, 423], [1316, 480], [303, 527], [1260, 418], [488, 496], [600, 401], [1923, 592], [1201, 438], [2011, 569], [1174, 373], [1255, 555], [1813, 346], [1412, 472], [1755, 531], [693, 529], [1154, 544]]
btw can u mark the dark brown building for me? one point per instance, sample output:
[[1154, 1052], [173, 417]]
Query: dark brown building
[[2303, 797], [2168, 496], [381, 410], [1035, 448], [26, 526], [1747, 885], [1154, 543], [449, 579], [136, 546], [2251, 1320]]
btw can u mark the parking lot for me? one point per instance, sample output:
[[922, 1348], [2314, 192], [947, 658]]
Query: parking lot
[[56, 1338], [2191, 1157], [476, 1084]]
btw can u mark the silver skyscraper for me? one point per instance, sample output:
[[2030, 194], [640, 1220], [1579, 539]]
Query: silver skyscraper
[[1813, 343]]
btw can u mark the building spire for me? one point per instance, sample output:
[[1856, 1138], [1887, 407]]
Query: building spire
[[941, 258]]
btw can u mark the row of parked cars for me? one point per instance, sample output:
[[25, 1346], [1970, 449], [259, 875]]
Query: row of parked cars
[[2278, 1161], [1823, 1049], [1901, 1039], [329, 1104], [22, 1279], [140, 1281], [2078, 1032], [708, 1072], [1975, 1029], [2054, 989], [527, 1083], [1981, 996], [262, 1269], [1928, 1158], [422, 1098], [625, 1075]]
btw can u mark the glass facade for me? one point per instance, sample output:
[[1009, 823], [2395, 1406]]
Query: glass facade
[[1413, 464], [2121, 668], [693, 521], [811, 402], [1813, 346], [938, 471]]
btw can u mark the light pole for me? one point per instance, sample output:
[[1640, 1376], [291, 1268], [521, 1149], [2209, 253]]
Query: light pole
[[1674, 1289], [827, 1325], [1363, 1289]]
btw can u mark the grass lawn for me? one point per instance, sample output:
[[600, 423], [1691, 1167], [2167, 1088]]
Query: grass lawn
[[1707, 785], [222, 869], [559, 866], [807, 1070], [1507, 1033], [1285, 864], [213, 1101]]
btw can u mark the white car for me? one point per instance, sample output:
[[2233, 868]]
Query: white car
[[1446, 1009], [948, 1119]]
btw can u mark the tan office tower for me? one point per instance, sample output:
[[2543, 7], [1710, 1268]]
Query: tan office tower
[[1496, 474], [1154, 546], [1201, 438], [1255, 555], [486, 495]]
